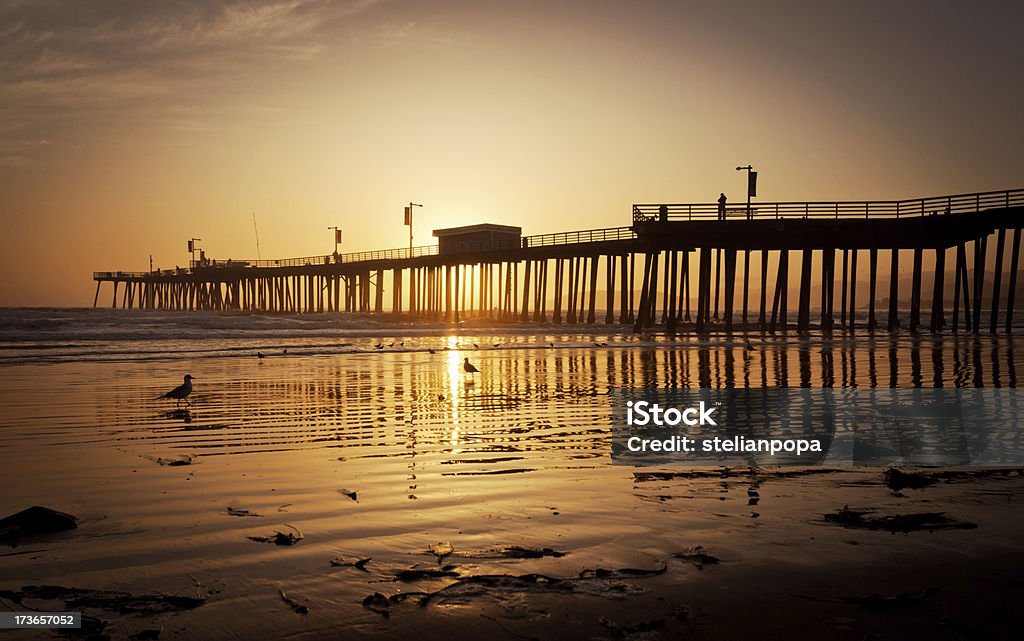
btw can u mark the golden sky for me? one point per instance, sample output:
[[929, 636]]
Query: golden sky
[[127, 128]]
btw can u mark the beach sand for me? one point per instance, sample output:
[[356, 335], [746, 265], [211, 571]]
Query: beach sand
[[488, 506]]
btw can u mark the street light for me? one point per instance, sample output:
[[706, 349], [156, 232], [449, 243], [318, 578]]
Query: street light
[[408, 221], [337, 238], [751, 185]]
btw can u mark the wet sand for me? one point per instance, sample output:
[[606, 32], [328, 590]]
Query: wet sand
[[359, 455]]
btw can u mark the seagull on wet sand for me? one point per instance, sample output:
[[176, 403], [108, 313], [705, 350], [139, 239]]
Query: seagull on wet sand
[[181, 392], [469, 367], [749, 346]]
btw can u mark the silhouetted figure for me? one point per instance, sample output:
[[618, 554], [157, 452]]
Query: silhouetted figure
[[663, 213], [468, 367], [721, 206]]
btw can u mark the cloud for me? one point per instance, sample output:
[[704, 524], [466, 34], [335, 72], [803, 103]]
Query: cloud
[[72, 61]]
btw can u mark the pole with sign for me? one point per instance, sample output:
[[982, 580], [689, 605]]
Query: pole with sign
[[751, 186], [337, 240], [192, 247], [408, 221]]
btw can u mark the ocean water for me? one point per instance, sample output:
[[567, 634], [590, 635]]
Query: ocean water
[[393, 454], [857, 359]]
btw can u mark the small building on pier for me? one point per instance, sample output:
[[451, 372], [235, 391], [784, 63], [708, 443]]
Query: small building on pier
[[477, 238]]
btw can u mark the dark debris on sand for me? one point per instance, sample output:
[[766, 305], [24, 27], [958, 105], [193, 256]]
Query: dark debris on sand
[[903, 523], [896, 479], [519, 552], [188, 459], [381, 604], [234, 511], [504, 552], [358, 563], [108, 600], [416, 574], [297, 608], [619, 630], [34, 521], [280, 538], [697, 557]]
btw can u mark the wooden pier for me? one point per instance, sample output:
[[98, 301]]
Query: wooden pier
[[678, 266]]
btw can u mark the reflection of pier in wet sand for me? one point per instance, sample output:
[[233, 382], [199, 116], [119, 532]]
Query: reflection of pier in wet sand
[[679, 246]]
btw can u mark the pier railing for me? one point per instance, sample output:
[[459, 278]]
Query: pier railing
[[541, 240], [935, 206], [580, 237]]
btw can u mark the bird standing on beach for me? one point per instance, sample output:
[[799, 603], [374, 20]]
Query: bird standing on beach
[[181, 392], [469, 367], [749, 346]]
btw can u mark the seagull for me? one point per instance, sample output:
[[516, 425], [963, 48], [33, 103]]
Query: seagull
[[476, 346], [379, 346], [431, 351], [260, 355], [285, 351], [181, 392], [469, 367], [749, 346]]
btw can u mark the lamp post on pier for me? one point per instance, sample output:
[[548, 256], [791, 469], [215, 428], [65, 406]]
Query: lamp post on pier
[[751, 185], [408, 221], [337, 240]]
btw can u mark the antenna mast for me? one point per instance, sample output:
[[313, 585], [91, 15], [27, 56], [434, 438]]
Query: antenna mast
[[256, 229]]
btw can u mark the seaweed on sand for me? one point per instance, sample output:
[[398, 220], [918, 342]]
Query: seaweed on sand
[[280, 538], [903, 523], [107, 600]]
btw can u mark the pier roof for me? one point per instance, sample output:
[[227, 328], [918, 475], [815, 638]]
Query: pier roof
[[472, 229]]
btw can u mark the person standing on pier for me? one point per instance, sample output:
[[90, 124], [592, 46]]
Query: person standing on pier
[[721, 206]]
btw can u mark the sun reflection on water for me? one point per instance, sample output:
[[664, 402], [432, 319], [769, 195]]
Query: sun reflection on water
[[454, 390]]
